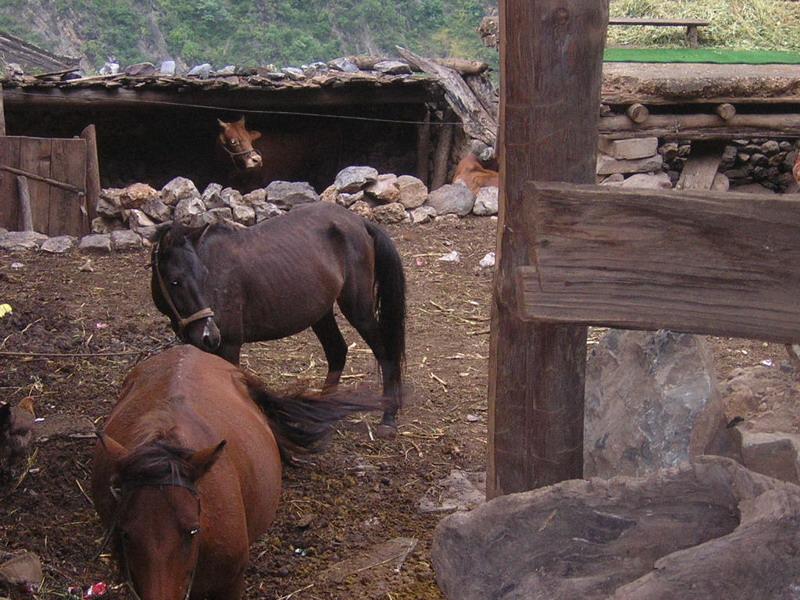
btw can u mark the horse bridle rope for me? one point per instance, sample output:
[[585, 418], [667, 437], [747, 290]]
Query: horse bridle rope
[[203, 313], [233, 154]]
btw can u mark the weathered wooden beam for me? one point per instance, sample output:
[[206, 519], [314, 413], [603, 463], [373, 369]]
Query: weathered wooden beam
[[441, 155], [703, 126], [478, 123], [424, 147], [24, 196], [2, 113], [93, 188], [701, 167], [704, 262], [551, 56], [48, 180]]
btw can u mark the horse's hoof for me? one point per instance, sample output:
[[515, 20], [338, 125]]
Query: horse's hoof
[[386, 432]]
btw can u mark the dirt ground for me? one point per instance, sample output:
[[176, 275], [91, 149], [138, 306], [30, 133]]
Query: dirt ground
[[337, 508]]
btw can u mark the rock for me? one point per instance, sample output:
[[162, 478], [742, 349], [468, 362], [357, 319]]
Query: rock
[[452, 199], [177, 190], [137, 195], [212, 196], [21, 570], [658, 181], [393, 67], [385, 190], [144, 69], [447, 219], [361, 207], [770, 147], [59, 244], [109, 204], [125, 240], [96, 242], [452, 257], [721, 183], [189, 211], [710, 529], [423, 214], [138, 220], [389, 213], [487, 261], [226, 70], [607, 165], [347, 200], [22, 240], [201, 71], [157, 210], [413, 192], [287, 195], [266, 210], [244, 214], [343, 64], [460, 490], [728, 157], [3, 231], [255, 197], [331, 194], [651, 402], [353, 179], [215, 216], [631, 149], [486, 202], [774, 454], [167, 68], [149, 234], [230, 196], [294, 73]]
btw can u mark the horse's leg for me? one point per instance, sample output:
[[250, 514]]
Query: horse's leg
[[327, 331], [358, 309]]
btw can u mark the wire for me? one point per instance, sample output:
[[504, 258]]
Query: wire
[[252, 110]]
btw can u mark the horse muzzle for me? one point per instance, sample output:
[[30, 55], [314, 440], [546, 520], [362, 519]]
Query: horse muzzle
[[210, 338], [253, 160]]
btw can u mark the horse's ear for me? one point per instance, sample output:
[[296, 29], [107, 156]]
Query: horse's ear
[[241, 121], [204, 459], [222, 124], [116, 451]]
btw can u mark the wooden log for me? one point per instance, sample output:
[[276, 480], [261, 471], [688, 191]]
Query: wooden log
[[462, 66], [424, 147], [441, 157], [486, 94], [638, 113], [701, 167], [716, 263], [478, 123], [704, 126], [92, 185], [551, 58], [40, 178], [725, 110], [24, 195]]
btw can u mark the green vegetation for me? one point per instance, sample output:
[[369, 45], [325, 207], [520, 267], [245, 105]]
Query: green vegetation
[[257, 32], [741, 24]]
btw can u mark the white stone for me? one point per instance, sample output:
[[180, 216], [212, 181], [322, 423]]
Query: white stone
[[656, 181], [487, 202], [156, 210], [385, 190], [423, 214], [189, 211], [218, 215], [96, 242], [630, 149], [178, 189], [124, 240], [266, 210], [59, 244], [288, 194], [22, 240], [212, 196], [487, 261], [606, 165], [353, 179], [244, 214], [453, 256]]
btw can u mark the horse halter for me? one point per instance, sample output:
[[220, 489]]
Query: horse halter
[[233, 154], [203, 313]]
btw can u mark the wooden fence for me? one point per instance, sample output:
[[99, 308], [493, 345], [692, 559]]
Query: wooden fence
[[62, 177]]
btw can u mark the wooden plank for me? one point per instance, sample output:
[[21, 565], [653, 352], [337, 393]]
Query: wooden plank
[[478, 123], [34, 156], [717, 263], [9, 206], [701, 168], [92, 185], [551, 59], [24, 194], [653, 22], [68, 164], [703, 126]]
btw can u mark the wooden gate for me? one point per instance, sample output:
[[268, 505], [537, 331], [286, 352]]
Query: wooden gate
[[63, 182]]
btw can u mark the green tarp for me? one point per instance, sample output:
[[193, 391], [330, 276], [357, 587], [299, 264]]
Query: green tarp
[[704, 55]]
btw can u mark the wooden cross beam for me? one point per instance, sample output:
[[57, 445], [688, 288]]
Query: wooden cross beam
[[716, 263]]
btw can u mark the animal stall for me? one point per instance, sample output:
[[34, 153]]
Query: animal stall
[[576, 255], [48, 185]]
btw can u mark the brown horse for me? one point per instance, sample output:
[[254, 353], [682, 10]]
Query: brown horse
[[223, 287], [474, 175], [187, 472], [253, 160]]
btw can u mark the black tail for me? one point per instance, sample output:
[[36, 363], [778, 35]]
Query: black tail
[[303, 424], [390, 282]]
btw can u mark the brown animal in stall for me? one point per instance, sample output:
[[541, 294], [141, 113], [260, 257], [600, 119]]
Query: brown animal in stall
[[474, 175], [187, 471], [250, 160], [16, 423], [796, 168]]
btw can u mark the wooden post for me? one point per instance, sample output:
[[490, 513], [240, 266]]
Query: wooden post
[[442, 155], [2, 113], [25, 214], [92, 177], [551, 57], [424, 147]]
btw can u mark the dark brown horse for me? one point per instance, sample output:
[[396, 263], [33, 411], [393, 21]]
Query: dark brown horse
[[187, 472], [223, 287]]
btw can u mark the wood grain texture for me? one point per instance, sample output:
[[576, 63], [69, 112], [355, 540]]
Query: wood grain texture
[[9, 204], [92, 185], [34, 156], [700, 169], [68, 164], [703, 126], [551, 58], [717, 263]]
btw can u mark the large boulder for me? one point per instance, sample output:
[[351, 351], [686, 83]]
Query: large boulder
[[22, 240], [189, 211], [390, 213], [385, 190], [413, 192], [353, 179], [707, 529], [125, 240], [137, 195], [59, 244], [288, 194], [651, 402], [486, 203], [178, 189], [452, 199]]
